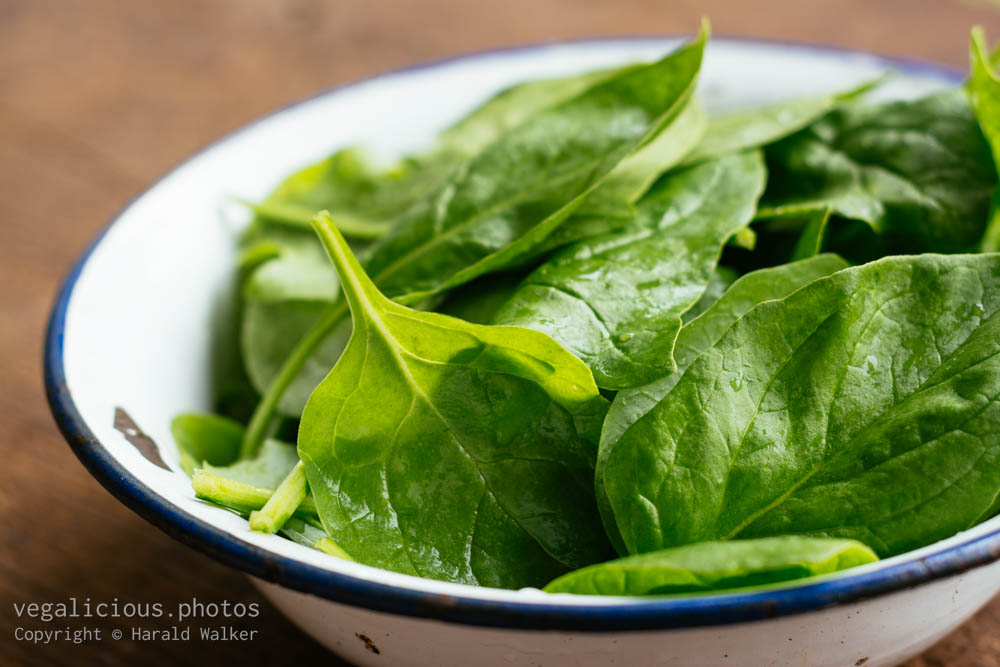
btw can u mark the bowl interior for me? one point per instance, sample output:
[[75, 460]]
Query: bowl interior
[[139, 311]]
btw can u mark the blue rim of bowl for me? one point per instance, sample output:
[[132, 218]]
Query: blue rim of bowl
[[651, 614]]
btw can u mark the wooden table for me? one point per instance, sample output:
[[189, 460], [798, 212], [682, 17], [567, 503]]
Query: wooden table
[[97, 98]]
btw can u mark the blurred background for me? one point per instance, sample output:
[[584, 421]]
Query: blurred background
[[100, 97]]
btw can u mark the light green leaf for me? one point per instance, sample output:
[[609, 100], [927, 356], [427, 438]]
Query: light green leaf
[[205, 439], [452, 450], [984, 93], [753, 128], [275, 460], [716, 566], [364, 200]]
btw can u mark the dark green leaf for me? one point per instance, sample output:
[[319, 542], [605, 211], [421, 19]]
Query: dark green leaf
[[505, 202], [722, 278], [916, 170], [753, 128], [693, 339], [519, 188], [616, 300], [864, 405]]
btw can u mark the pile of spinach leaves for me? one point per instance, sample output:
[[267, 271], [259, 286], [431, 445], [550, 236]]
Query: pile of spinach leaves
[[599, 342]]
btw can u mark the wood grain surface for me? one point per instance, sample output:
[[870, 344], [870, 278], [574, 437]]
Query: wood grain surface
[[98, 98]]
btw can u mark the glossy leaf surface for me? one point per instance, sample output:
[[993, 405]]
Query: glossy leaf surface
[[451, 450], [714, 566], [616, 300], [864, 405]]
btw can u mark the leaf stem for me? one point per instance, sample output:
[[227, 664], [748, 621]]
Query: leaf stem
[[242, 497], [264, 413], [328, 546], [282, 503]]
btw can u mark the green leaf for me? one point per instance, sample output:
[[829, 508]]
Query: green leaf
[[810, 243], [616, 300], [984, 94], [270, 333], [479, 301], [205, 439], [452, 450], [363, 200], [295, 268], [634, 175], [715, 566], [917, 171], [267, 470], [722, 278], [513, 106], [753, 128], [519, 188], [694, 338], [509, 198], [864, 405]]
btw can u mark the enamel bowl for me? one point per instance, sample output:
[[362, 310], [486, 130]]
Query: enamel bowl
[[129, 347]]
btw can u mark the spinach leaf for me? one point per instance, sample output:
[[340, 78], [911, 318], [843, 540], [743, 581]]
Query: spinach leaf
[[627, 181], [616, 300], [205, 439], [918, 171], [753, 128], [476, 464], [722, 278], [363, 200], [694, 338], [984, 93], [508, 198], [479, 301], [513, 106], [519, 188], [269, 334], [863, 405], [634, 175], [275, 460], [713, 566]]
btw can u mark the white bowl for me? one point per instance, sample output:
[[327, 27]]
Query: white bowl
[[131, 328]]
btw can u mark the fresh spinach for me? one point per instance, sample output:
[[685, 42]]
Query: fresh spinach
[[363, 200], [694, 338], [616, 301], [775, 413], [737, 131], [510, 197], [917, 171], [863, 405], [206, 439], [709, 566], [477, 466]]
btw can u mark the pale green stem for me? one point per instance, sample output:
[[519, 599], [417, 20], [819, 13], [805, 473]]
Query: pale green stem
[[328, 546], [264, 413], [282, 503], [242, 497]]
